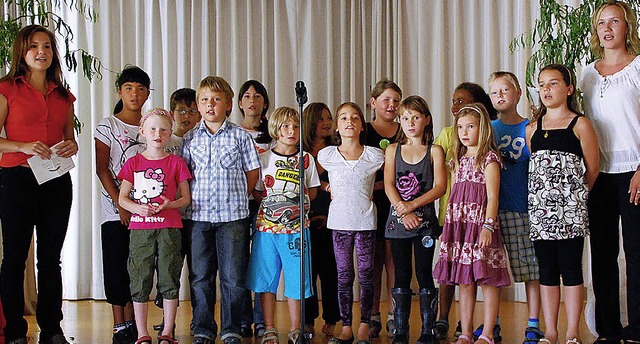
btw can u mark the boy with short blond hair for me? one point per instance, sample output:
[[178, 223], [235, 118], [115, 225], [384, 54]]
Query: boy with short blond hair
[[225, 167]]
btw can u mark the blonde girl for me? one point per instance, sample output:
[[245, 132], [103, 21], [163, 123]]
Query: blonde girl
[[471, 251]]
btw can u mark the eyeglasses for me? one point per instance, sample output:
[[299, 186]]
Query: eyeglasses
[[184, 112]]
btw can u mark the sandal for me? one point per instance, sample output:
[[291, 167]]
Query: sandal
[[544, 340], [270, 336], [441, 329], [293, 336], [167, 339], [465, 338], [574, 341], [144, 340], [375, 326], [390, 325], [258, 330], [484, 339]]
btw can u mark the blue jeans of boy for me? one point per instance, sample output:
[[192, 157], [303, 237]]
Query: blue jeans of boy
[[218, 247]]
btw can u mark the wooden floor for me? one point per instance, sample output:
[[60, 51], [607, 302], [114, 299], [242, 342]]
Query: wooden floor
[[91, 322]]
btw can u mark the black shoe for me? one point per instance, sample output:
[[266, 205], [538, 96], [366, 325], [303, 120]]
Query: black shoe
[[202, 340], [334, 340], [56, 339], [441, 329], [245, 331], [122, 337], [232, 340]]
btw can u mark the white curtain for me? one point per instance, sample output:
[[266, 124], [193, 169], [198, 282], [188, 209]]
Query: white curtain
[[339, 48]]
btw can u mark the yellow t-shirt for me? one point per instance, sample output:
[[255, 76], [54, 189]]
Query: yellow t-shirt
[[445, 140]]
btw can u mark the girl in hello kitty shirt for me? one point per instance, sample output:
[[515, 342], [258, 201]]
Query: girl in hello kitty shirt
[[150, 181]]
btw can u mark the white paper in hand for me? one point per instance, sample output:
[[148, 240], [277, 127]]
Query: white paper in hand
[[47, 169]]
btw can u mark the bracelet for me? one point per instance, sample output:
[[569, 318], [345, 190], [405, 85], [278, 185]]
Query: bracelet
[[488, 227]]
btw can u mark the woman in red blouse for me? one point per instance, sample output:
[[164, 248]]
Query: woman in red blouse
[[36, 112]]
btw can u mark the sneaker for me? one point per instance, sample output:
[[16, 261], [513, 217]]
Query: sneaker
[[121, 337], [245, 331], [132, 332], [56, 339], [202, 340], [441, 329], [231, 340], [533, 335]]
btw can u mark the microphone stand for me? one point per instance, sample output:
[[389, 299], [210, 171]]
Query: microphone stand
[[301, 97]]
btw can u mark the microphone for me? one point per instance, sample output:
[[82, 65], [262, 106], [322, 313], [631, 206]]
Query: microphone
[[301, 93]]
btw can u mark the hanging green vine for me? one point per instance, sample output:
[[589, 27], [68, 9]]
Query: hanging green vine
[[561, 35], [27, 12]]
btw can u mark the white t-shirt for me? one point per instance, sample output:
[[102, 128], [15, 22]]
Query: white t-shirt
[[612, 103], [124, 141], [174, 145], [279, 182], [351, 184]]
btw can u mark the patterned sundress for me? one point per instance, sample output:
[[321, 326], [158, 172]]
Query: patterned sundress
[[461, 259]]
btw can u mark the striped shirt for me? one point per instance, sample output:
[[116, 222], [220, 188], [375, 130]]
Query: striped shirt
[[218, 163]]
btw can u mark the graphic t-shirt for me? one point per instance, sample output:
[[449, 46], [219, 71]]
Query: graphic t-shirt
[[124, 141], [515, 157], [151, 179], [279, 211]]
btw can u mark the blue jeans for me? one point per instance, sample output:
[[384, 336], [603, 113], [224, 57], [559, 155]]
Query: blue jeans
[[218, 246]]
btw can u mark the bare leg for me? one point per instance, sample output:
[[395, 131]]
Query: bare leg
[[268, 301], [573, 300], [363, 331], [294, 314], [141, 310], [467, 305], [550, 296], [491, 308], [122, 314], [533, 298], [170, 308]]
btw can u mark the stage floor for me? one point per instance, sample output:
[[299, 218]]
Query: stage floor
[[91, 322]]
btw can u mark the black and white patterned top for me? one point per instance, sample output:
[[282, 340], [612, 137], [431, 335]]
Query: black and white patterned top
[[558, 189]]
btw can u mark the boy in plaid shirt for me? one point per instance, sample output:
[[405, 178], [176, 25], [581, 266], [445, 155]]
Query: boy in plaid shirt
[[225, 167]]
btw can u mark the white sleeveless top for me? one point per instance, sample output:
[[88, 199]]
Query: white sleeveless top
[[612, 103]]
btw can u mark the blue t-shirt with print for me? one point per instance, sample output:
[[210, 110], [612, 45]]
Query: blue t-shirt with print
[[515, 156]]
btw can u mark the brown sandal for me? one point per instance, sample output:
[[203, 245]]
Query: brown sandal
[[144, 340], [167, 339]]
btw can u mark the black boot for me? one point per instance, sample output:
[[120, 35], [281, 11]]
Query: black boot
[[402, 299], [428, 311]]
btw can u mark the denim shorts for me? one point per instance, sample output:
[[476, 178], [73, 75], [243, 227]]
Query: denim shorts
[[151, 248]]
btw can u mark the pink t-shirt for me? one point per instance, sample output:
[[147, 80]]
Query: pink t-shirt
[[150, 179]]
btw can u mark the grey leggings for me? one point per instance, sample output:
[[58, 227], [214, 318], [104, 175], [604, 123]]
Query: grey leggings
[[343, 244]]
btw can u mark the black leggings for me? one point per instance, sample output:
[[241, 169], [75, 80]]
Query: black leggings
[[401, 251], [560, 258]]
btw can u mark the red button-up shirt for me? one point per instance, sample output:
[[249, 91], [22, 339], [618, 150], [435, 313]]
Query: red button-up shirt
[[32, 116]]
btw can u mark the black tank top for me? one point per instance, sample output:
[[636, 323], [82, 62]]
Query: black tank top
[[563, 140]]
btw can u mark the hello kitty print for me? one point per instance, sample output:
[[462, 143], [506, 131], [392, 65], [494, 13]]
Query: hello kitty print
[[152, 180]]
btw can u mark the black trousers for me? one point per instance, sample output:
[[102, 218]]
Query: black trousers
[[24, 205], [608, 204], [323, 265], [402, 252]]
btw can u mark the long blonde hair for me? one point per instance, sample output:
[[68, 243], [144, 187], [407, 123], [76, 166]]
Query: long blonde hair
[[486, 141]]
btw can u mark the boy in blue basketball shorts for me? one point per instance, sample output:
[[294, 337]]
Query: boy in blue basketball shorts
[[276, 243]]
